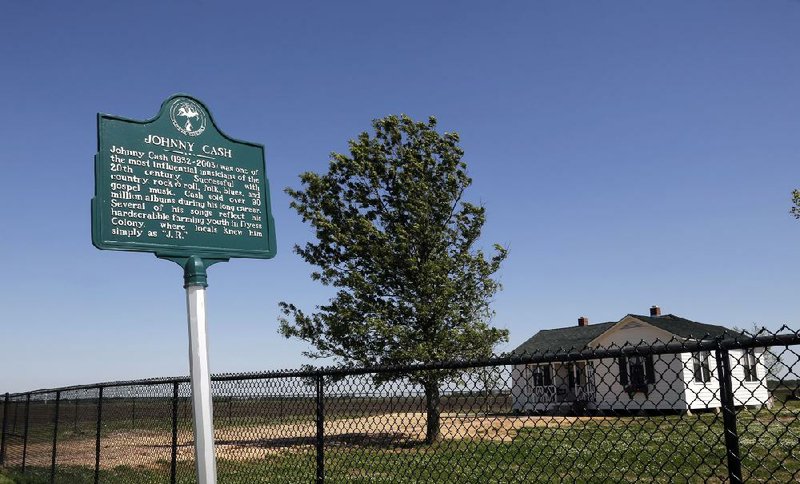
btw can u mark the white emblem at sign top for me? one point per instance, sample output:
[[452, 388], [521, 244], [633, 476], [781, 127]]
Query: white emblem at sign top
[[187, 117]]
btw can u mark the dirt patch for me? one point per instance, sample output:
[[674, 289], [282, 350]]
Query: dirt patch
[[139, 448], [152, 449]]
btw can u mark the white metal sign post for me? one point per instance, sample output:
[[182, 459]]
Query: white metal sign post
[[200, 375]]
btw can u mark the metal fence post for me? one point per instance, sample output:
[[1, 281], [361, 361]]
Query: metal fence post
[[97, 436], [25, 432], [174, 459], [4, 431], [55, 438], [75, 421], [320, 430], [729, 416]]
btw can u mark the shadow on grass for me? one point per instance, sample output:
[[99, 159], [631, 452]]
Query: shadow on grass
[[385, 440]]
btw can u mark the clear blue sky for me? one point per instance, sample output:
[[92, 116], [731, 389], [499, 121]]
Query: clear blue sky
[[628, 153]]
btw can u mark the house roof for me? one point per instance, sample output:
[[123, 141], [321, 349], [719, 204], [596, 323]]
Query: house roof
[[577, 337], [685, 328], [573, 337]]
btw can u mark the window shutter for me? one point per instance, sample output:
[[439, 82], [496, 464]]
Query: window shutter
[[706, 367], [696, 367], [623, 370], [649, 369]]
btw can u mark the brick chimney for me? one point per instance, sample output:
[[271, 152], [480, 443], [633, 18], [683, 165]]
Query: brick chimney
[[583, 321], [655, 311]]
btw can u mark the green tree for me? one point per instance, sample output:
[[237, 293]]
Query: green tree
[[795, 210], [398, 243]]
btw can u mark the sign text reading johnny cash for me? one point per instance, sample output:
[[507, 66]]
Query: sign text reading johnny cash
[[175, 185]]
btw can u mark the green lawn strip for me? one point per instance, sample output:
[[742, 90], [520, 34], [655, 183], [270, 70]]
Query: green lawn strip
[[85, 475], [660, 449]]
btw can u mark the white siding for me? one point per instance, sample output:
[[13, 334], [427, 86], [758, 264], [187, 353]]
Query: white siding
[[745, 392], [669, 388], [706, 395], [666, 394], [631, 331], [700, 395]]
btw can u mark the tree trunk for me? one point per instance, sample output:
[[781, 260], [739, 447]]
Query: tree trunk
[[433, 428]]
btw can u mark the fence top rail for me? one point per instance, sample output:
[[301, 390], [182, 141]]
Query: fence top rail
[[727, 341]]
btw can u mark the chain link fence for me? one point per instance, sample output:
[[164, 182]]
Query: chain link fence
[[721, 409]]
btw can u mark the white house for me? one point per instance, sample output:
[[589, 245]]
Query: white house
[[686, 381]]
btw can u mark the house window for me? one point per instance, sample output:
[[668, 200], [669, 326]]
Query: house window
[[749, 363], [541, 376], [636, 372], [702, 372]]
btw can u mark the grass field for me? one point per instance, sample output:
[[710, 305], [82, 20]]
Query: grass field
[[495, 449]]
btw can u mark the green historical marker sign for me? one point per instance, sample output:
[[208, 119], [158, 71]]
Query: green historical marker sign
[[175, 185]]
